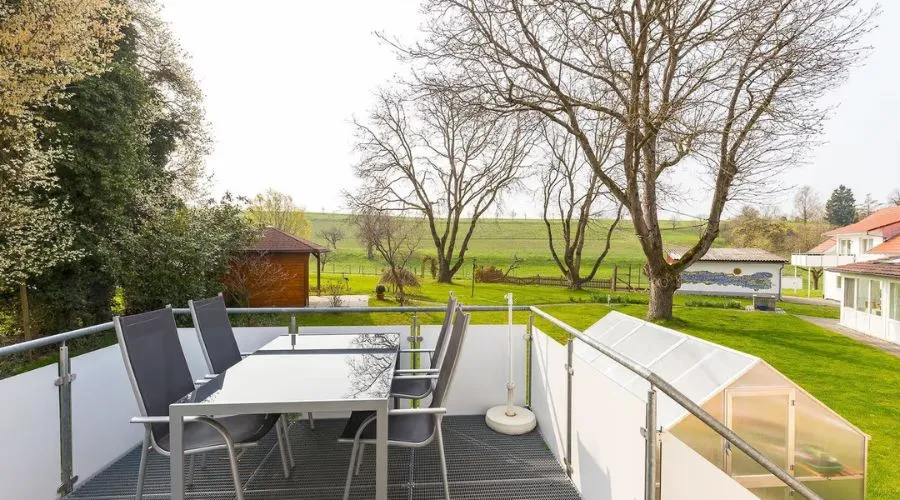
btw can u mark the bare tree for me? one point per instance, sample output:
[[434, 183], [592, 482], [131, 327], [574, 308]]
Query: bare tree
[[276, 209], [435, 155], [253, 272], [807, 204], [732, 87], [894, 198], [394, 236], [867, 207], [332, 236], [572, 197]]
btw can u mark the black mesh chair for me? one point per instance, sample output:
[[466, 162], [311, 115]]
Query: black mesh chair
[[218, 343], [421, 388], [159, 376], [414, 427]]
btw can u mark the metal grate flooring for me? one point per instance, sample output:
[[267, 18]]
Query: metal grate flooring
[[482, 465]]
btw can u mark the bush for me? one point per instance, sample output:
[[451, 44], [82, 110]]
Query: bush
[[380, 289], [406, 277], [489, 274], [619, 299]]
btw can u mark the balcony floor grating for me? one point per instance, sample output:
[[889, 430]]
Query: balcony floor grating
[[482, 465]]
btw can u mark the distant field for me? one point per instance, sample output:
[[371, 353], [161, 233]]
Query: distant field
[[496, 241]]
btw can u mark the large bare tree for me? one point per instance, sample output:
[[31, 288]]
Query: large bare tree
[[573, 197], [808, 205], [434, 154], [729, 88]]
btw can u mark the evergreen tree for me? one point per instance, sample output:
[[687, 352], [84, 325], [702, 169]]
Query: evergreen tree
[[840, 210]]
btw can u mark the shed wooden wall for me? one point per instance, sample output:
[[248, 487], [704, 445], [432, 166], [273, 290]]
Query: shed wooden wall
[[294, 289]]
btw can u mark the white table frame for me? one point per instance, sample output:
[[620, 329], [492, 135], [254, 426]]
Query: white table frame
[[178, 411]]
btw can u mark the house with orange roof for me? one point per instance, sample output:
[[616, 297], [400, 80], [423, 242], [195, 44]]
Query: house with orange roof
[[870, 302], [875, 237]]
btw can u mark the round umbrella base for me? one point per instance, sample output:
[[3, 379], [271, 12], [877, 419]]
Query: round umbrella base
[[522, 422]]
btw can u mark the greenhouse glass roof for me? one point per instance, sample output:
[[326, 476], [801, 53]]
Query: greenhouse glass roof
[[697, 368]]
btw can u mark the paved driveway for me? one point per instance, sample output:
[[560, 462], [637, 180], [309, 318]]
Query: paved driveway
[[835, 326]]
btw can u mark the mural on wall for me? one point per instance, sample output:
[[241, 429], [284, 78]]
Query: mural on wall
[[755, 281]]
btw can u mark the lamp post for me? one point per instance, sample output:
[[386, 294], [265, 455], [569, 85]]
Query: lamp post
[[474, 264]]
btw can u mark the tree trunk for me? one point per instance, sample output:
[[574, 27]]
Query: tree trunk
[[26, 312], [444, 274], [662, 292]]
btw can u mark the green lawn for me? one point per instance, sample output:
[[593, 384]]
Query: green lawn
[[859, 382]]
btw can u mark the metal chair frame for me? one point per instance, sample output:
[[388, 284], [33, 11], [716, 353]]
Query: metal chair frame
[[149, 441]]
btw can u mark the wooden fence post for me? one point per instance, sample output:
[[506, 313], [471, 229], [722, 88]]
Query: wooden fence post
[[614, 278]]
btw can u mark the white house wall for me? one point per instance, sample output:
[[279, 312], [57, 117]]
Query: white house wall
[[831, 286], [719, 278]]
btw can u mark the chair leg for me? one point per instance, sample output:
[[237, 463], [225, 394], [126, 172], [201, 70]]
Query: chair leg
[[235, 472], [284, 460], [190, 475], [142, 468], [350, 471], [287, 440], [440, 436], [362, 449], [312, 423]]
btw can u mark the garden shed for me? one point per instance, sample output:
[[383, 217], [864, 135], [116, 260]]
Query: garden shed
[[775, 415], [275, 270], [734, 272]]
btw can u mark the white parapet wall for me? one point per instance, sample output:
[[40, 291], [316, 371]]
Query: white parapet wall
[[608, 447], [103, 401]]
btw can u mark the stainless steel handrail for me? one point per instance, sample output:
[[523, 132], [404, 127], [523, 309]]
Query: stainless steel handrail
[[639, 369], [102, 327], [686, 403]]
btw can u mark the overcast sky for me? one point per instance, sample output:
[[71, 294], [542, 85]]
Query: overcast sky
[[283, 79]]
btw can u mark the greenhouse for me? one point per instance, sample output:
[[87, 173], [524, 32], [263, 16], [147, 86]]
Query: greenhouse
[[775, 415]]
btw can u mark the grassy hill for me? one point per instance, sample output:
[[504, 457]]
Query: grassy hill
[[495, 241]]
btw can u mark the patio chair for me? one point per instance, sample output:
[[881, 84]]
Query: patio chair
[[159, 376], [218, 343], [421, 388], [414, 427]]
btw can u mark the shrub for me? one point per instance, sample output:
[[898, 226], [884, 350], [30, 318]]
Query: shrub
[[489, 274], [380, 289], [718, 304], [407, 278]]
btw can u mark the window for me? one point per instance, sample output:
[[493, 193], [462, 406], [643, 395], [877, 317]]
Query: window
[[839, 280], [845, 247], [849, 293], [895, 301], [862, 295], [866, 245], [875, 297]]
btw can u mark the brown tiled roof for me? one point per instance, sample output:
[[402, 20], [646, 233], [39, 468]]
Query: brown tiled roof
[[889, 247], [881, 218], [823, 247], [885, 267], [732, 255], [275, 240]]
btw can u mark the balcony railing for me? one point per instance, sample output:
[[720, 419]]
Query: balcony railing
[[821, 260], [491, 345]]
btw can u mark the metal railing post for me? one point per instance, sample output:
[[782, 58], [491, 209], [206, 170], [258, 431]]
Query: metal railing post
[[529, 335], [570, 372], [64, 383], [293, 327], [651, 447]]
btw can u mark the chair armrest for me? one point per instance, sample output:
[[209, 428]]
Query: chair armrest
[[418, 370], [417, 377], [418, 411], [158, 420], [245, 354]]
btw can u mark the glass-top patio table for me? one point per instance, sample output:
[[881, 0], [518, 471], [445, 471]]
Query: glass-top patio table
[[298, 374]]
